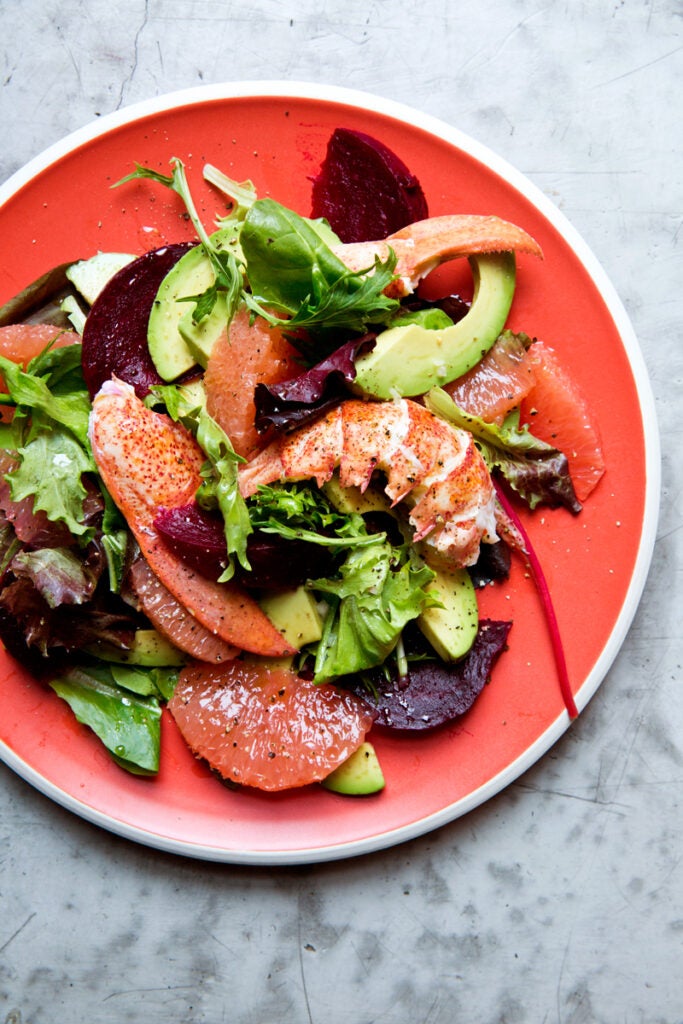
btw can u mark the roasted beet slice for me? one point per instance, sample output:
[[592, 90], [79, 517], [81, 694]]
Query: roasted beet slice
[[197, 537], [436, 693], [279, 564], [115, 334], [493, 564], [365, 190]]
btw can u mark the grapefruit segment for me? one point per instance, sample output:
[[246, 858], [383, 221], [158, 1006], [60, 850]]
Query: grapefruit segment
[[172, 619], [557, 413], [267, 727], [498, 383], [246, 355], [23, 342]]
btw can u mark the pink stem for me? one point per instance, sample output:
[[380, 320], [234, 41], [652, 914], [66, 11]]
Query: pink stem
[[546, 600]]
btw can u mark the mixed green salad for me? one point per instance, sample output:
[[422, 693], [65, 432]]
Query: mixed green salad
[[68, 609]]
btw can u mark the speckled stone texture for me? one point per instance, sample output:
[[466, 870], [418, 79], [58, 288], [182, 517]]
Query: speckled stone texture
[[561, 900]]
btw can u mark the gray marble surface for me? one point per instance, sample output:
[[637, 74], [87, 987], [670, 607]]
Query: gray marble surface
[[560, 900]]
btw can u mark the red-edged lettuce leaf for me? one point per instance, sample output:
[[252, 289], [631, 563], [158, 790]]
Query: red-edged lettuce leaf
[[59, 575], [292, 403], [537, 472], [29, 623]]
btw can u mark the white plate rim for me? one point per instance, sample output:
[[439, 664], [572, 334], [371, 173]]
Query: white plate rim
[[278, 88]]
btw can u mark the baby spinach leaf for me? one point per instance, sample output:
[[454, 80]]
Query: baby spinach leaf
[[126, 723], [292, 270]]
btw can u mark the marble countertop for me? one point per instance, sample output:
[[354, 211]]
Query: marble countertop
[[560, 900]]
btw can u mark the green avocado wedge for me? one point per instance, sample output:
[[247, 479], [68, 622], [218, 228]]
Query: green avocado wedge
[[175, 343], [149, 649], [410, 360], [451, 628], [360, 775]]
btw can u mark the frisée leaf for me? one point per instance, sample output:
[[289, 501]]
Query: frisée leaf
[[219, 488]]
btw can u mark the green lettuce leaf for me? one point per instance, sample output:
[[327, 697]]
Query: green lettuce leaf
[[379, 590], [70, 409], [50, 470]]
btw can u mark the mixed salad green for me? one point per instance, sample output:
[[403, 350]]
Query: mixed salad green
[[66, 606]]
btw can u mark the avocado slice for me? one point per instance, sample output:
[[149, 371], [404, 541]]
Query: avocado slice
[[149, 649], [410, 360], [352, 499], [360, 775], [295, 614], [171, 353], [200, 338], [451, 629], [90, 276]]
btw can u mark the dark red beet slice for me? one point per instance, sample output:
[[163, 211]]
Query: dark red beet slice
[[435, 693], [197, 537], [279, 564], [115, 334], [365, 190]]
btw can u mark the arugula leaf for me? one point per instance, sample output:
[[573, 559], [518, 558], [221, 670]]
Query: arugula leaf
[[292, 270], [290, 265], [223, 260], [219, 488], [380, 589], [538, 472], [127, 724]]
